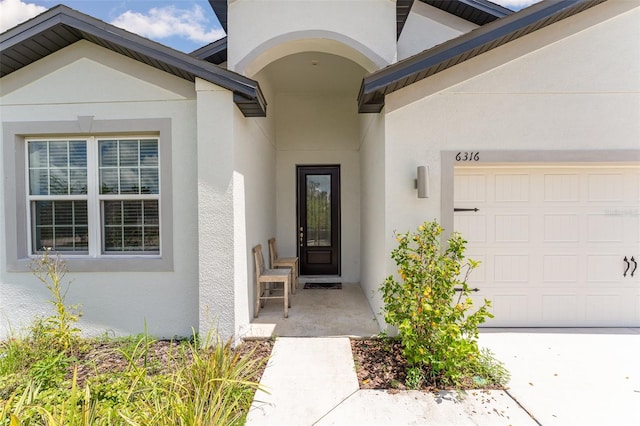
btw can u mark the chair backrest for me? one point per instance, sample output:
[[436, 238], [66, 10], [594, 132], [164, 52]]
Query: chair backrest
[[273, 252], [259, 259]]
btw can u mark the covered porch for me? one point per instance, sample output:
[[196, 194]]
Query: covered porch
[[317, 313]]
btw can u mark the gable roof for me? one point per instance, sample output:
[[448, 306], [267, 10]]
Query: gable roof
[[62, 26], [377, 85]]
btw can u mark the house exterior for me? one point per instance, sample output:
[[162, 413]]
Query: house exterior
[[154, 172]]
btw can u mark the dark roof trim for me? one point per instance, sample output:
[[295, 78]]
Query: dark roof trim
[[403, 7], [394, 77], [220, 9], [61, 26], [215, 52], [479, 12]]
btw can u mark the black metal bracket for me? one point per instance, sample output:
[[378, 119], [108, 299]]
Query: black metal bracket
[[627, 268], [635, 265], [466, 210]]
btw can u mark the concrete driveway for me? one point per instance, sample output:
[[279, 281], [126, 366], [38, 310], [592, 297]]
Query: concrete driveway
[[572, 376]]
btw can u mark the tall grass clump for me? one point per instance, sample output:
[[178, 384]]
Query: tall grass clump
[[135, 380]]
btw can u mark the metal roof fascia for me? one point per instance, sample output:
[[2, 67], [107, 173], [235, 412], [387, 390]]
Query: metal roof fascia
[[381, 80]]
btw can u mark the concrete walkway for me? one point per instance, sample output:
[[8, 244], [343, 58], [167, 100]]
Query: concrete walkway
[[312, 381], [563, 377]]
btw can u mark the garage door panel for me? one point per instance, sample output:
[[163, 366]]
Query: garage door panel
[[473, 228], [560, 268], [511, 188], [557, 308], [604, 307], [604, 228], [561, 227], [605, 268], [515, 307], [511, 228], [470, 188], [511, 268], [552, 242], [605, 187], [562, 187]]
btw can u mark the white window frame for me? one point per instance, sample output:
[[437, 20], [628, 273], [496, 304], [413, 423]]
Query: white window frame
[[94, 199]]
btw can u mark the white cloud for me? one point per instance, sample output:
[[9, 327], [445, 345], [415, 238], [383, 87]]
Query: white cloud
[[515, 4], [168, 21], [15, 12]]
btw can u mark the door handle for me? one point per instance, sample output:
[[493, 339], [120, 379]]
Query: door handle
[[301, 234], [627, 268], [635, 265]]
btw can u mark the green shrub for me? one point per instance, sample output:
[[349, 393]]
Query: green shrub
[[431, 307]]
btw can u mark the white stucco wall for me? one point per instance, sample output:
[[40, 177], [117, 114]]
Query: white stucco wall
[[365, 26], [372, 209], [572, 86], [60, 88], [319, 130], [255, 203], [427, 26]]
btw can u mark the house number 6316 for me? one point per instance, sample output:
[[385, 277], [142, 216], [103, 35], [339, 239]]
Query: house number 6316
[[468, 156]]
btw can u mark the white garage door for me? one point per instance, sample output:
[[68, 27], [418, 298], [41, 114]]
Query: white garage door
[[559, 246]]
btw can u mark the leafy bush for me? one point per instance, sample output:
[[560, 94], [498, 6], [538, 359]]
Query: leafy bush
[[431, 307]]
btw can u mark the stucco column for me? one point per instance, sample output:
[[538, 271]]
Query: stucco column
[[215, 118]]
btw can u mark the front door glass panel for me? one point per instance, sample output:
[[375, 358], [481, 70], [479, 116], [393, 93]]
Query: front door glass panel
[[318, 210]]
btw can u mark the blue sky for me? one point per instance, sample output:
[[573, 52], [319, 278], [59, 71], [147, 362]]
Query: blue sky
[[182, 24]]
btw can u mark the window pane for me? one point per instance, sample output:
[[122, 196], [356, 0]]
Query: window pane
[[58, 181], [132, 212], [108, 153], [129, 181], [38, 156], [78, 154], [318, 210], [57, 167], [128, 153], [149, 152], [131, 225], [151, 216], [109, 181], [151, 238], [60, 225], [113, 239], [129, 166], [149, 179], [39, 182], [58, 155], [78, 181]]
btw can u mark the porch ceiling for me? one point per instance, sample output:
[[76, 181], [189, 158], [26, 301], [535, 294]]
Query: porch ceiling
[[315, 72]]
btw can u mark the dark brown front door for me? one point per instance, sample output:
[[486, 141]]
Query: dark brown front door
[[319, 220]]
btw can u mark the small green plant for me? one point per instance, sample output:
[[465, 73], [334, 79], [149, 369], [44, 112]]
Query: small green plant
[[431, 307], [58, 330], [415, 378]]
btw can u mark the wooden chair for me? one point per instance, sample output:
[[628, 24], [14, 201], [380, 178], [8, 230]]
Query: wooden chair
[[283, 262], [264, 279]]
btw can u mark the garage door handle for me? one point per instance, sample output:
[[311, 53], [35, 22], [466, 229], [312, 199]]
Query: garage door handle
[[465, 210], [471, 289], [635, 265], [627, 268]]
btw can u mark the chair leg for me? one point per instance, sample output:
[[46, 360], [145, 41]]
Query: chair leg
[[287, 302], [257, 311]]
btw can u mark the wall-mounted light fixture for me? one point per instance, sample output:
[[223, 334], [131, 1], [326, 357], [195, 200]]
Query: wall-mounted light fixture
[[422, 182]]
